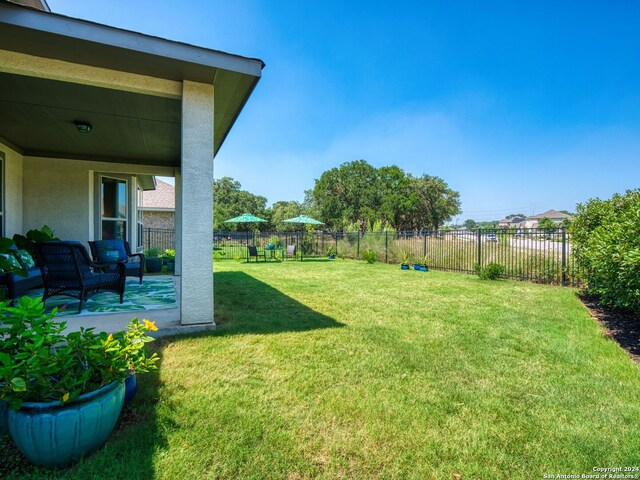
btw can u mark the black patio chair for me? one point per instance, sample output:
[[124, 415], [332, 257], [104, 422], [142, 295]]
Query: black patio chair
[[253, 252], [67, 270], [133, 262], [290, 252]]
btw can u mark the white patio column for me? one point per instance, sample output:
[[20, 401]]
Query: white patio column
[[196, 204]]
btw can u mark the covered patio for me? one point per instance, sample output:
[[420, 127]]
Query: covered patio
[[90, 115]]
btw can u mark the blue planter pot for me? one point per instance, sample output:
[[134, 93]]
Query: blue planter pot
[[130, 388], [54, 435], [417, 267], [332, 257], [4, 420], [405, 267], [153, 264]]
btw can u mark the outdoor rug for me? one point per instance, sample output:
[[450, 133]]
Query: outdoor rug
[[153, 294]]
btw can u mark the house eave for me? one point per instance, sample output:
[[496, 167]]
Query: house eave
[[58, 37]]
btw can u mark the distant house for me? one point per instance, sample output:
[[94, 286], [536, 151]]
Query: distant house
[[513, 222], [557, 217], [159, 206]]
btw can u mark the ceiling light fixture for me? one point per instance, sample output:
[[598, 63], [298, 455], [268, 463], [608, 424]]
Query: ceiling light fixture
[[83, 127]]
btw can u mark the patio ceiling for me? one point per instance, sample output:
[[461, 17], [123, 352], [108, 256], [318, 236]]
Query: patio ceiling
[[37, 114]]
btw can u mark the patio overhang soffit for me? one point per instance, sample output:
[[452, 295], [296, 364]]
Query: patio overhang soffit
[[40, 101]]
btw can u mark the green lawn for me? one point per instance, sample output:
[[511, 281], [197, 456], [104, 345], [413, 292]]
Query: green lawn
[[348, 370]]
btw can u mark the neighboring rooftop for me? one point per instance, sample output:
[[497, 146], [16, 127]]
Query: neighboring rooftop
[[162, 198], [549, 214]]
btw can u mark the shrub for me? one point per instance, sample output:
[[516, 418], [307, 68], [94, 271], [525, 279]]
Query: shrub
[[39, 362], [370, 256], [492, 271], [152, 252], [607, 247]]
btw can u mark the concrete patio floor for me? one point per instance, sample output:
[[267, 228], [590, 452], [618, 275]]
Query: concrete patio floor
[[167, 319]]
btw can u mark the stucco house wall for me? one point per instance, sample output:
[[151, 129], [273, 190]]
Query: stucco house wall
[[61, 193]]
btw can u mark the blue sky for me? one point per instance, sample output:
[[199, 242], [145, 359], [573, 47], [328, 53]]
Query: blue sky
[[520, 106]]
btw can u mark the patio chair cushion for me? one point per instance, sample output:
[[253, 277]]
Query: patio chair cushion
[[25, 259], [13, 261], [105, 246]]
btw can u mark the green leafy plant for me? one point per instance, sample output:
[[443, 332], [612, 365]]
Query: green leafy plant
[[152, 252], [33, 237], [424, 261], [6, 265], [169, 254], [406, 257], [605, 240], [275, 241], [492, 271], [40, 363], [331, 251], [371, 256]]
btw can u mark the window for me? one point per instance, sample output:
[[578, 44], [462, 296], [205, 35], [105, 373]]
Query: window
[[114, 209]]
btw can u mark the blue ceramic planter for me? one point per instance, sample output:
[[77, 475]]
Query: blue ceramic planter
[[417, 267], [4, 420], [405, 267], [54, 435], [332, 257], [130, 388]]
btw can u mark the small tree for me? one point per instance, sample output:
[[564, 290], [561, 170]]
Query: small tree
[[547, 224]]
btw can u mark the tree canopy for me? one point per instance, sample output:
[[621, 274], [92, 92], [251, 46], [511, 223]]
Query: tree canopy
[[354, 195]]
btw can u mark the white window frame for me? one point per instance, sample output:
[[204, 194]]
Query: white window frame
[[128, 207]]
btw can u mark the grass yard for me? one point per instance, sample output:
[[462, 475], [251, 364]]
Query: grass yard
[[348, 370]]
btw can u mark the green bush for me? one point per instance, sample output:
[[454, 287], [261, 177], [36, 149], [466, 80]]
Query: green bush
[[606, 244], [40, 363], [371, 256], [492, 271]]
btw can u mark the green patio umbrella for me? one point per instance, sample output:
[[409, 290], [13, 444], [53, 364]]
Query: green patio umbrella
[[304, 219], [245, 218]]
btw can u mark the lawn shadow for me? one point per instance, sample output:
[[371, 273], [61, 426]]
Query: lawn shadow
[[244, 304], [129, 450]]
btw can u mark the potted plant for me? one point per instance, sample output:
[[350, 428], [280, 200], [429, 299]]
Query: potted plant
[[422, 266], [64, 391], [405, 260], [169, 256], [153, 262], [33, 237], [331, 253]]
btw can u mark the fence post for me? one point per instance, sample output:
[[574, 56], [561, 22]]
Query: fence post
[[335, 234], [386, 247], [479, 248], [358, 252], [564, 257]]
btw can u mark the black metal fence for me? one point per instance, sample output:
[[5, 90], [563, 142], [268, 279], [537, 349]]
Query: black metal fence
[[161, 238], [536, 255]]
